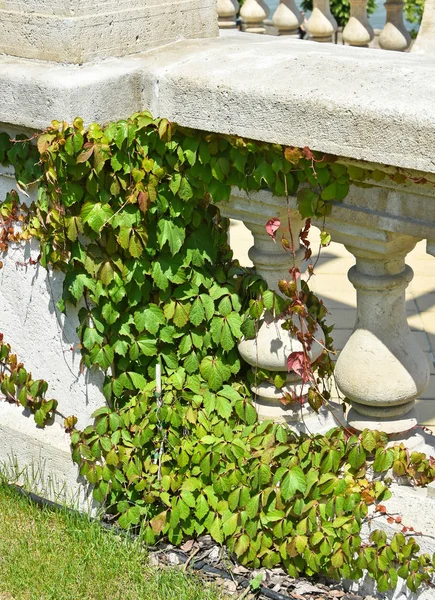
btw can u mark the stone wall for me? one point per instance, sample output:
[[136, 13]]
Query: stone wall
[[47, 343]]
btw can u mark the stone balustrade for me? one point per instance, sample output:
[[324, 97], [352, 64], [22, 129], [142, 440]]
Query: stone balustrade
[[322, 26], [381, 369], [359, 104]]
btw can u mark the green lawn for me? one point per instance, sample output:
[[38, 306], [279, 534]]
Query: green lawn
[[51, 555]]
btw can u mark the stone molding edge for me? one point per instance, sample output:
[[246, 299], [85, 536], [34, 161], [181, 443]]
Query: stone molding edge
[[253, 86]]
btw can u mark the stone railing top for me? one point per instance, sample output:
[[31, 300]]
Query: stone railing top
[[357, 103]]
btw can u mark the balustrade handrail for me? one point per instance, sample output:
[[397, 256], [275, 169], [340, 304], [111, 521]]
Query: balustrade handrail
[[376, 106]]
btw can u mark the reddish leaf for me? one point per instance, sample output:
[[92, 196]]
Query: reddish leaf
[[86, 153], [298, 362], [272, 227], [295, 273], [158, 522], [143, 200], [329, 158], [288, 398], [307, 153]]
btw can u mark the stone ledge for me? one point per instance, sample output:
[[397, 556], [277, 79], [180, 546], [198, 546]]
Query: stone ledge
[[358, 103]]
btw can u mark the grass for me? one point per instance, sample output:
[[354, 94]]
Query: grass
[[55, 555]]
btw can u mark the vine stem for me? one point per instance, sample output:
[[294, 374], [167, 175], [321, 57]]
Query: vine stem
[[158, 394]]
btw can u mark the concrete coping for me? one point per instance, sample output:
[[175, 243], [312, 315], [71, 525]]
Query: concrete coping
[[358, 103]]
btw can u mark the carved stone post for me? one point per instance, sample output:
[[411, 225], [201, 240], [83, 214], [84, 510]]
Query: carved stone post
[[272, 345], [253, 14], [79, 31], [394, 35], [227, 13], [321, 25], [382, 369], [425, 42], [287, 18], [358, 31]]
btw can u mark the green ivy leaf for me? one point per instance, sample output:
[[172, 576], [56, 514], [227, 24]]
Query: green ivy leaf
[[181, 313], [293, 481], [72, 193], [197, 312], [383, 460], [171, 233], [150, 319], [96, 215], [214, 372], [102, 356]]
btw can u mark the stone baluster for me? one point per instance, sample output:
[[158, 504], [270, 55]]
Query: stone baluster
[[272, 345], [358, 31], [394, 35], [227, 13], [253, 14], [287, 18], [425, 42], [381, 369], [321, 25]]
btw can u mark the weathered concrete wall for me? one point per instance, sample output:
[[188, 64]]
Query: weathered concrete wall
[[81, 30], [47, 343], [40, 459]]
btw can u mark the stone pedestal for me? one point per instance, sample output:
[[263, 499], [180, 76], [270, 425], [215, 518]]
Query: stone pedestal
[[382, 369], [394, 35], [227, 13], [273, 345], [253, 14], [287, 18], [321, 25], [78, 31], [358, 31]]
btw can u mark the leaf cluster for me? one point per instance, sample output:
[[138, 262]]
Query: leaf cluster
[[201, 463], [125, 211], [18, 386]]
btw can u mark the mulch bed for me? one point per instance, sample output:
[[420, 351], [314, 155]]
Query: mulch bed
[[216, 566]]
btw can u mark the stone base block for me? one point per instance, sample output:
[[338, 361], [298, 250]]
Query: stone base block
[[62, 32], [394, 425], [299, 418]]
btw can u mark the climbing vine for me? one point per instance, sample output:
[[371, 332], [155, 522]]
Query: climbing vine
[[128, 212]]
